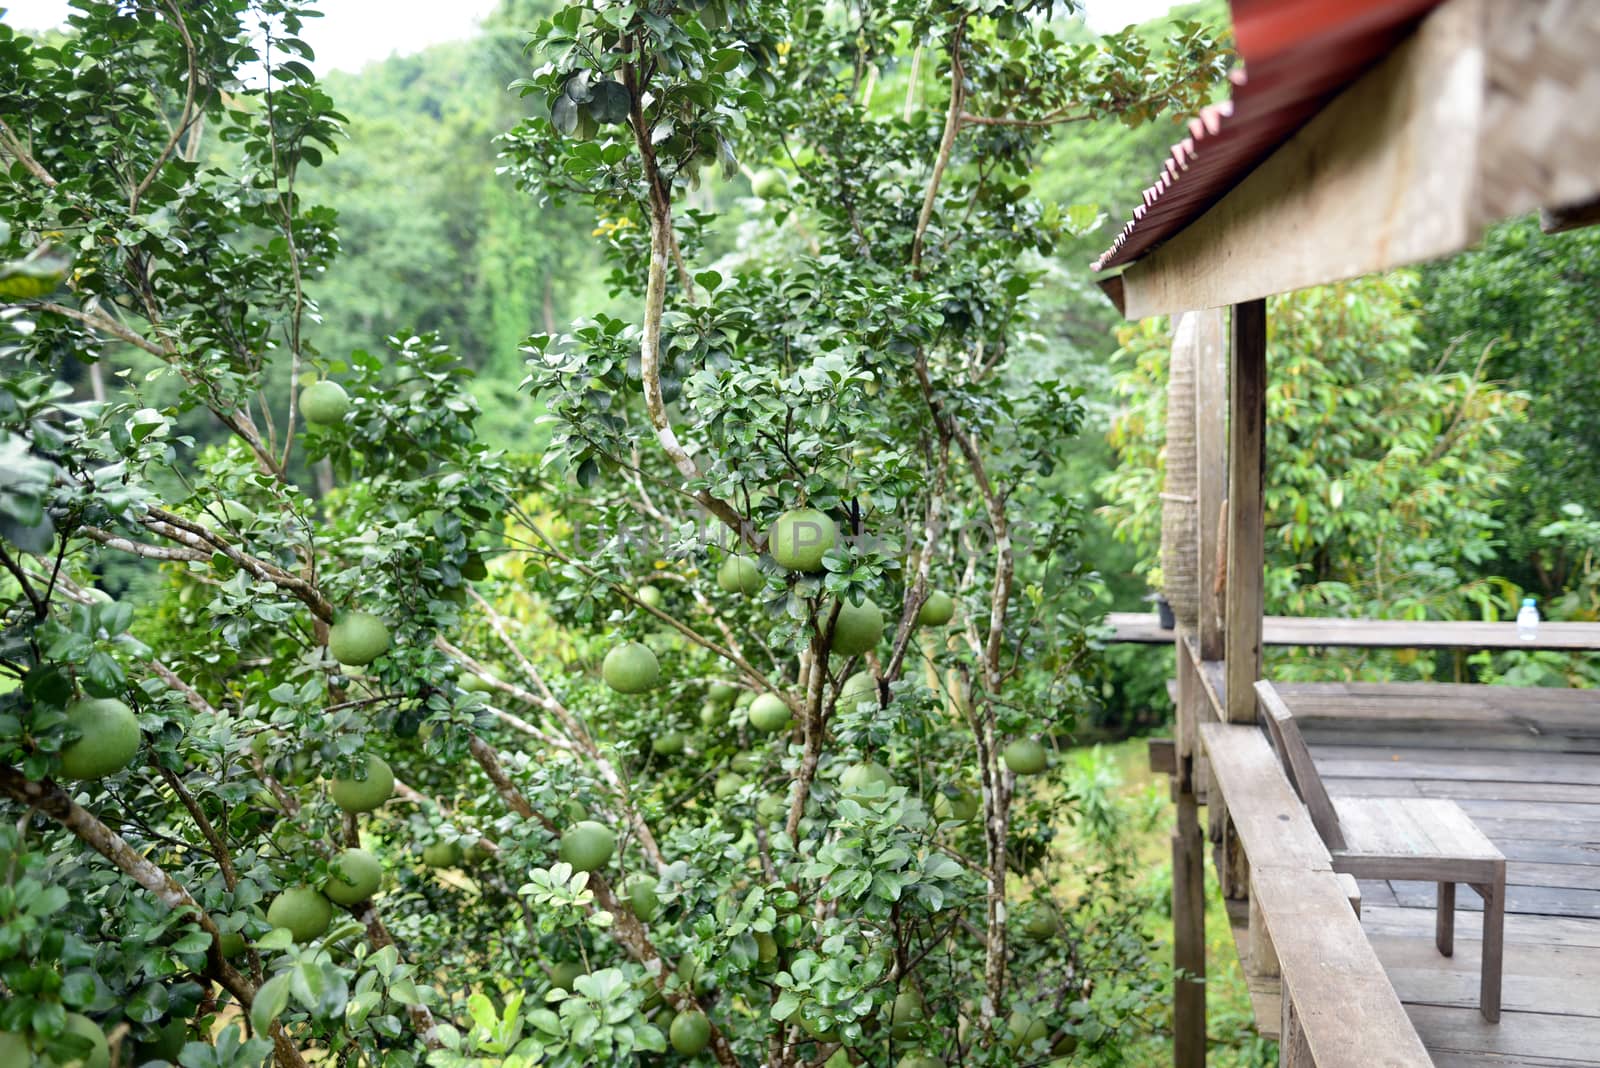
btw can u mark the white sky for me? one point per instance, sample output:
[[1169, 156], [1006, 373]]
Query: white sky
[[353, 33]]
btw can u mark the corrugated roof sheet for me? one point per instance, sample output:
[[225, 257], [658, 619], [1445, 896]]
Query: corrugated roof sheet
[[1297, 55]]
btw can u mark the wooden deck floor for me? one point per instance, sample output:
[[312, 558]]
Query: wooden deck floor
[[1533, 788]]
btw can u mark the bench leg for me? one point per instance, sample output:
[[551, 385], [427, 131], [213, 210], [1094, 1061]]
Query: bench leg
[[1444, 923], [1494, 947]]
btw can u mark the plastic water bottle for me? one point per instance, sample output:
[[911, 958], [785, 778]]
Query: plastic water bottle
[[1528, 620]]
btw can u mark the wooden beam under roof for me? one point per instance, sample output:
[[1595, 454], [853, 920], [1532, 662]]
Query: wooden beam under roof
[[1487, 111]]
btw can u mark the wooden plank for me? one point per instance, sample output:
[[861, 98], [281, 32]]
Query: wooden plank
[[1471, 792], [1144, 627], [1211, 482], [1347, 1010], [1521, 928], [1537, 979], [1520, 1034], [1357, 761], [1376, 180], [1265, 991], [1189, 937], [1272, 824], [1244, 598], [1302, 769], [1163, 755], [1535, 900]]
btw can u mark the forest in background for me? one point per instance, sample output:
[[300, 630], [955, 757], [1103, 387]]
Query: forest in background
[[1463, 385]]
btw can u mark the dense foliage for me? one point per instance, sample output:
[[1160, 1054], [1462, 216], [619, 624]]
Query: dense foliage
[[1390, 471], [723, 726]]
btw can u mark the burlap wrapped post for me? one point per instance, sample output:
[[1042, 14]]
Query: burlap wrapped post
[[1180, 542]]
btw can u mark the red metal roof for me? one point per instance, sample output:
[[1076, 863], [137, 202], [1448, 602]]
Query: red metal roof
[[1297, 55]]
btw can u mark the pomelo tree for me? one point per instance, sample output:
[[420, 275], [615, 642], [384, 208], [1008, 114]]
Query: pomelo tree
[[397, 791]]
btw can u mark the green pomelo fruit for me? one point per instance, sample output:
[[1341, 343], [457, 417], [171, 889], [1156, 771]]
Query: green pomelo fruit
[[858, 628], [354, 876], [920, 1060], [727, 785], [722, 693], [442, 854], [324, 403], [100, 1055], [937, 610], [642, 897], [1025, 1029], [1042, 925], [304, 911], [744, 762], [669, 744], [587, 845], [800, 537], [961, 806], [905, 1014], [857, 690], [690, 1032], [630, 668], [14, 1052], [649, 596], [364, 795], [858, 778], [226, 514], [740, 574], [769, 713], [564, 973], [1025, 756], [109, 738], [357, 638]]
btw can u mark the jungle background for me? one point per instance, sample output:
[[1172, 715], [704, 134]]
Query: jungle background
[[1436, 387]]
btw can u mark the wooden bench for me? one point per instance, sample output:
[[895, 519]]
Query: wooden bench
[[1425, 839]]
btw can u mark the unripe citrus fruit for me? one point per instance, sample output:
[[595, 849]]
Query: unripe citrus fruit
[[100, 1055], [1042, 925], [630, 668], [858, 628], [354, 876], [669, 744], [14, 1051], [937, 610], [364, 795], [919, 1060], [225, 514], [905, 1013], [442, 854], [109, 738], [564, 973], [231, 944], [960, 805], [650, 596], [690, 1032], [1025, 756], [324, 403], [303, 911], [800, 537], [642, 898], [727, 785], [857, 778], [587, 845], [739, 574], [357, 638], [722, 693], [858, 689], [769, 713], [1026, 1029]]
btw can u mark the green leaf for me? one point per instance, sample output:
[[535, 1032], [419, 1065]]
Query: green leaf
[[272, 997]]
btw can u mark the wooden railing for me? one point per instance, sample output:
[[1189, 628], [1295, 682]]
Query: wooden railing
[[1301, 931]]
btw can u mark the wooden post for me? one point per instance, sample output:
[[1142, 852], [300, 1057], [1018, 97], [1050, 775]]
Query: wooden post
[[1188, 935], [1247, 416], [1211, 482]]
